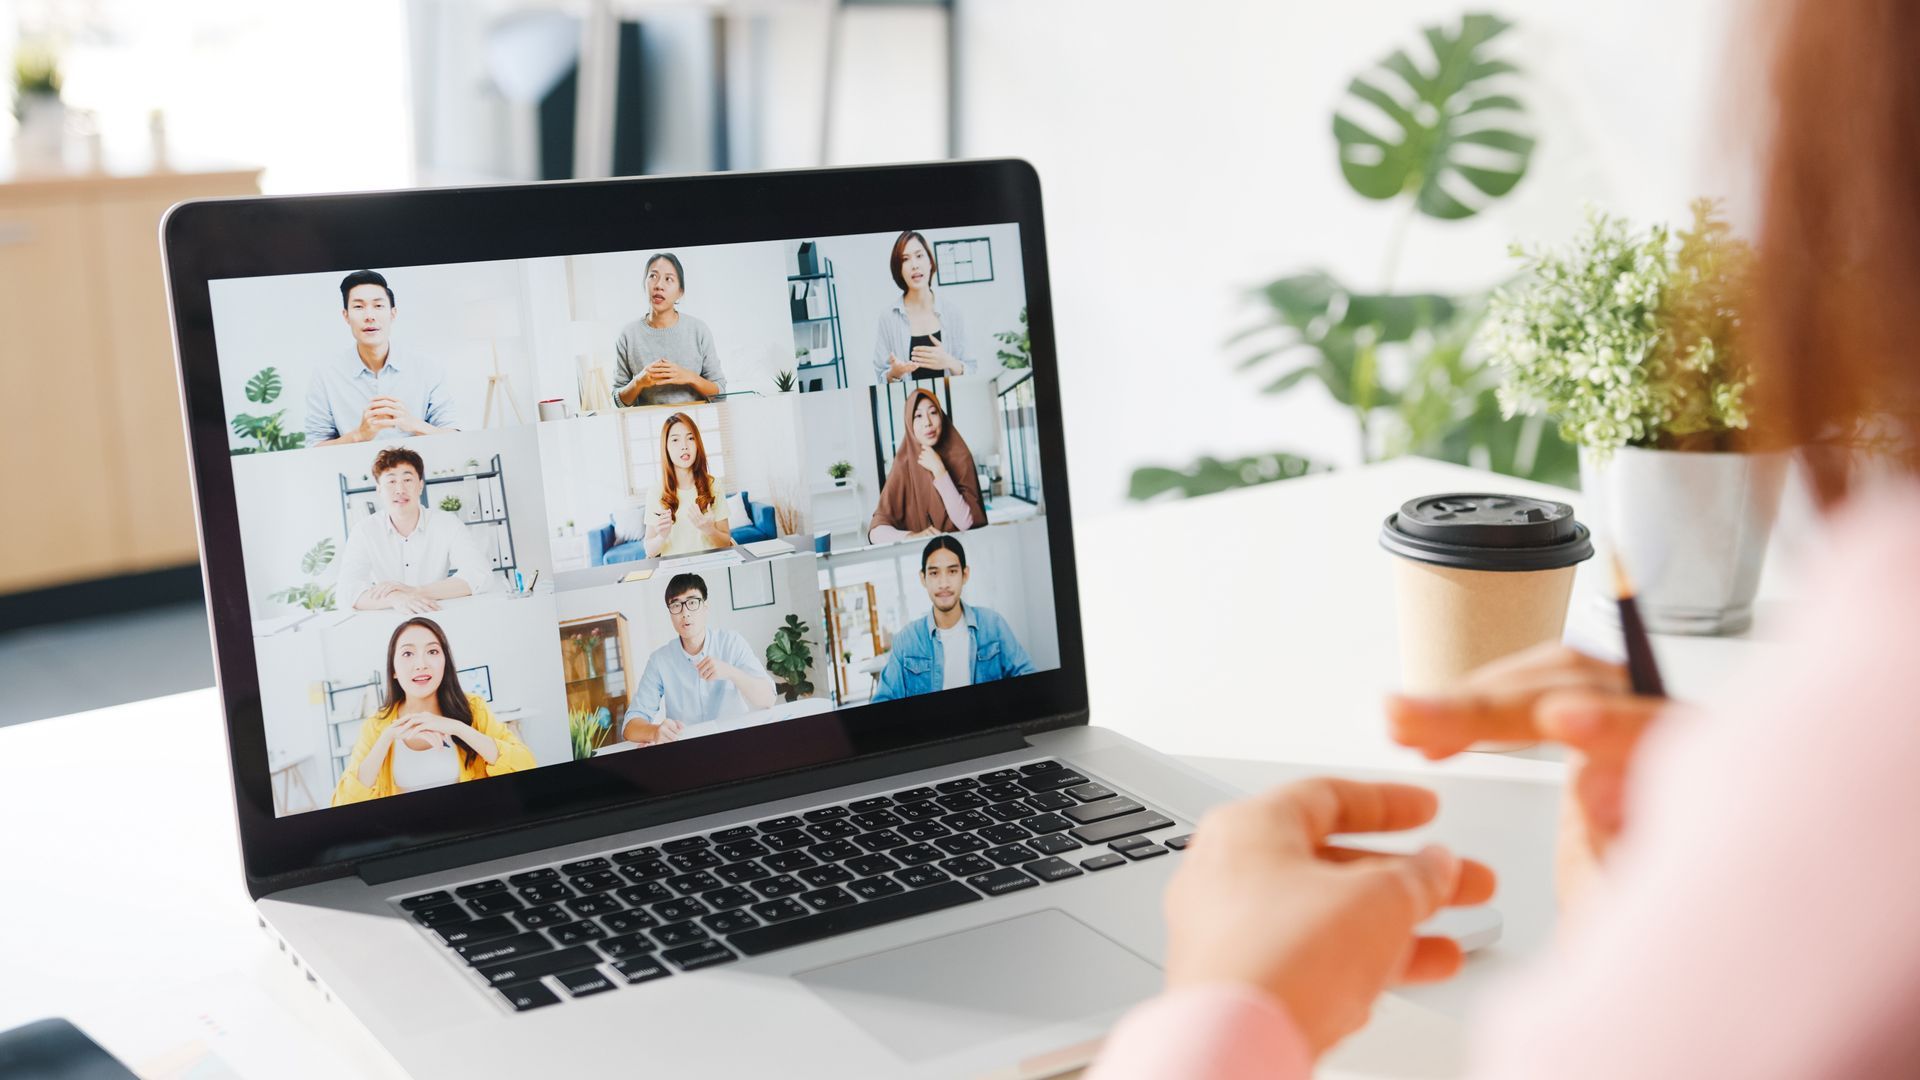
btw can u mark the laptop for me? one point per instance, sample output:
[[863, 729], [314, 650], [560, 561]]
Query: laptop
[[645, 618]]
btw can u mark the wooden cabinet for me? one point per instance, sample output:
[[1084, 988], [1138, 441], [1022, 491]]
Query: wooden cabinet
[[93, 462], [598, 660]]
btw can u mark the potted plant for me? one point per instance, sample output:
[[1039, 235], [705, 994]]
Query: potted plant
[[267, 432], [587, 645], [588, 730], [1018, 354], [790, 657], [1632, 341], [311, 594], [784, 381], [840, 470], [451, 504], [37, 106]]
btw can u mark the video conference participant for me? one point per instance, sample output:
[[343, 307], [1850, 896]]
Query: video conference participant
[[932, 487], [922, 336], [690, 513], [431, 733], [367, 394], [957, 644], [402, 558], [708, 674], [664, 357]]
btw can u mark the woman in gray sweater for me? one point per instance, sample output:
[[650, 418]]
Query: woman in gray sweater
[[664, 357]]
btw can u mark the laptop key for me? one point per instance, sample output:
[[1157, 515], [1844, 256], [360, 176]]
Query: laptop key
[[494, 952], [733, 896], [1051, 781], [1053, 844], [915, 854], [964, 783], [828, 899], [867, 806], [877, 819], [1010, 854], [923, 830], [881, 840], [966, 821], [730, 922], [624, 946], [921, 877], [1124, 843], [834, 851], [1049, 800], [919, 811], [1002, 792], [680, 910], [833, 830], [873, 888], [478, 930], [545, 892], [780, 910], [1144, 851], [634, 855], [788, 861], [788, 840], [824, 813], [1004, 880], [584, 866], [598, 904], [1046, 823], [532, 877], [697, 882], [966, 866], [525, 968], [1008, 811], [1004, 833], [641, 969], [741, 872], [819, 876], [737, 850], [646, 870], [479, 888], [780, 824], [913, 795], [1179, 843], [574, 933], [597, 881], [649, 893], [846, 920], [443, 914], [678, 933], [685, 843], [960, 844], [582, 983], [529, 995], [733, 835], [626, 922], [695, 860], [545, 915], [998, 776], [699, 954], [1040, 767], [1106, 860], [1102, 810], [438, 896], [784, 885], [1114, 828], [1051, 869], [869, 865], [1091, 792], [961, 800]]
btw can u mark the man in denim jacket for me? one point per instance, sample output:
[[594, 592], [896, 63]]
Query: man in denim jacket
[[957, 644]]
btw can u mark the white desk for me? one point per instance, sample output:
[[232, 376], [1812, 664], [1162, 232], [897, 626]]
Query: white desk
[[124, 908]]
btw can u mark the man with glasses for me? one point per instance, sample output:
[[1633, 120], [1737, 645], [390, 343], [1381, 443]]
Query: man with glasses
[[709, 674], [957, 643]]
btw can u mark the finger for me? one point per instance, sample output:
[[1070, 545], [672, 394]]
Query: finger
[[1327, 805], [1441, 727], [1600, 792], [1605, 726], [1430, 960], [1476, 883]]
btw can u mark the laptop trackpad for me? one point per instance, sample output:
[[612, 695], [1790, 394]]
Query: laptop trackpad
[[992, 982]]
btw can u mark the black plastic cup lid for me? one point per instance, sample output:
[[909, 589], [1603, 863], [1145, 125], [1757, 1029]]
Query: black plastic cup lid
[[1480, 531]]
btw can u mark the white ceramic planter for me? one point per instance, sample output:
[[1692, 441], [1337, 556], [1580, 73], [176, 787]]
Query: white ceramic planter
[[40, 140], [1692, 529]]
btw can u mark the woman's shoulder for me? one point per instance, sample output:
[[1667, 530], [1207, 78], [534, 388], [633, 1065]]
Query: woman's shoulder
[[478, 705]]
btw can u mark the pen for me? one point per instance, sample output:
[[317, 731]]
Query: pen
[[535, 581], [1642, 672]]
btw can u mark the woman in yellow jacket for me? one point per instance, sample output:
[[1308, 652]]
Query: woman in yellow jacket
[[430, 733]]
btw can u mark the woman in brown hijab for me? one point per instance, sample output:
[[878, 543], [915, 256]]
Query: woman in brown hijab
[[932, 487]]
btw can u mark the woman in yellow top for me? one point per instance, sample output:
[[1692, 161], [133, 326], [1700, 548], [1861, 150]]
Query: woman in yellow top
[[691, 512], [430, 733]]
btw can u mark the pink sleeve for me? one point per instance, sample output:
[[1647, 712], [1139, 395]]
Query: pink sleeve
[[1220, 1032], [1759, 921], [957, 507], [886, 534]]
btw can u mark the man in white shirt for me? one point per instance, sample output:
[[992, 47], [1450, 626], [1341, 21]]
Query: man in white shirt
[[704, 675], [368, 394], [409, 558]]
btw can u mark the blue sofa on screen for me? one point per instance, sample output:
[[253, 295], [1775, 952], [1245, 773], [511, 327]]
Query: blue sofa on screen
[[603, 546]]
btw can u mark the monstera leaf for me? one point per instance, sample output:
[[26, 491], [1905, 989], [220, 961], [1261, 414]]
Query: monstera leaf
[[264, 387], [1444, 132]]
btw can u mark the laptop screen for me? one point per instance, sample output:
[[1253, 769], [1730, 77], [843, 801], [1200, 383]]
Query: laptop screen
[[504, 516]]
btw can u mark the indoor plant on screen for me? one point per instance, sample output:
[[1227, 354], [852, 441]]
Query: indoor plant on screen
[[1632, 341]]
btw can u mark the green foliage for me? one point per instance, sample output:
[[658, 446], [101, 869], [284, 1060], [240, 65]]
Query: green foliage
[[588, 730], [318, 557], [841, 469], [783, 381], [1019, 351], [451, 504], [790, 657], [1210, 475], [312, 596], [36, 71], [267, 432], [264, 387], [1629, 338], [1443, 133]]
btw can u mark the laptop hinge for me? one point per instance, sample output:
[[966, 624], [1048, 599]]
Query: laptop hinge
[[681, 807]]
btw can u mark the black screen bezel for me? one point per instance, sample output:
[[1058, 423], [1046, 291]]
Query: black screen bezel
[[207, 240]]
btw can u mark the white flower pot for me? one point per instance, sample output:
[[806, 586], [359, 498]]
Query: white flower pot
[[1692, 529], [40, 140]]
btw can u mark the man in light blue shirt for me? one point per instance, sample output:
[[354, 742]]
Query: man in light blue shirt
[[956, 644], [708, 674], [367, 394]]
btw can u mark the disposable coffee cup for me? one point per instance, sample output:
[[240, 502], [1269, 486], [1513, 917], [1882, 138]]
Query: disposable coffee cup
[[1477, 577]]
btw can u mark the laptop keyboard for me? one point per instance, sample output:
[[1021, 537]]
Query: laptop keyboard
[[545, 935]]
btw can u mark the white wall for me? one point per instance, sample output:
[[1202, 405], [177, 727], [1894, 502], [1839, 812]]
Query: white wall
[[454, 315], [764, 459], [838, 426], [585, 471], [289, 501], [735, 289], [293, 718]]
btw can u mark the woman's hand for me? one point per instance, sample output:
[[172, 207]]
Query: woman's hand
[[930, 461], [1548, 692], [933, 356], [1263, 900], [659, 524], [897, 368]]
